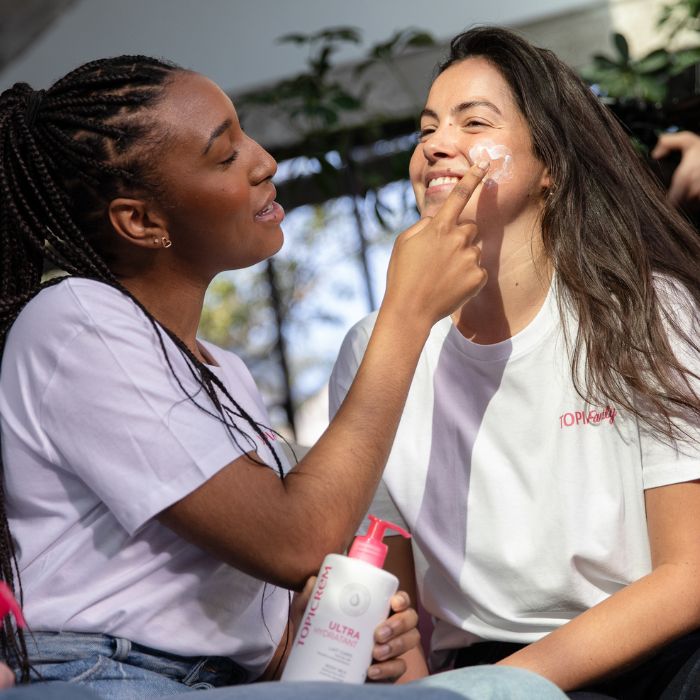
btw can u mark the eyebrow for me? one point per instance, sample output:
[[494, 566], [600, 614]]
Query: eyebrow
[[463, 107], [224, 126]]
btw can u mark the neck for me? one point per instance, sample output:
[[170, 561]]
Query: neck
[[519, 276], [175, 303]]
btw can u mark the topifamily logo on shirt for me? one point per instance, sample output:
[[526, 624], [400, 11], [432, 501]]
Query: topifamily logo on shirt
[[590, 416]]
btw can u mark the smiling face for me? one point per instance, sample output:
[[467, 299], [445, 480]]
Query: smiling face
[[470, 112], [219, 201]]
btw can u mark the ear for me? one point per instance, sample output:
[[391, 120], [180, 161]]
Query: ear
[[137, 222], [546, 182]]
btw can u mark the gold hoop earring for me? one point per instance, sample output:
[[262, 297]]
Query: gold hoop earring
[[167, 243]]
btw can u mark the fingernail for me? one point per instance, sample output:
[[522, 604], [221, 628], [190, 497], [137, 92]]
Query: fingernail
[[382, 651], [483, 164], [404, 598], [374, 672], [383, 633]]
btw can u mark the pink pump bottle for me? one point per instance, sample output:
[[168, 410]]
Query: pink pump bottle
[[349, 600]]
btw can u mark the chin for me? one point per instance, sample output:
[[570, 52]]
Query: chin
[[278, 243]]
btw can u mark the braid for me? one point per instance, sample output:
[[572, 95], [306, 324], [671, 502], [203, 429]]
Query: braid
[[64, 154]]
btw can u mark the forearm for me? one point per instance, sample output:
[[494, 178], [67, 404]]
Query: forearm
[[345, 465], [619, 632], [279, 530]]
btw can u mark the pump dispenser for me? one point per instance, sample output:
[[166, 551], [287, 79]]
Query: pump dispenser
[[349, 601]]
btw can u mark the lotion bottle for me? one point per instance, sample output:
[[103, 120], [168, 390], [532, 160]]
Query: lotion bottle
[[350, 599]]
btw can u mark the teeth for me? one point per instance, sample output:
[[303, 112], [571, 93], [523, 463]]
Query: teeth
[[265, 210], [443, 181]]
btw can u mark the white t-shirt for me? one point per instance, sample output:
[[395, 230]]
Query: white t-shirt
[[526, 506], [97, 439]]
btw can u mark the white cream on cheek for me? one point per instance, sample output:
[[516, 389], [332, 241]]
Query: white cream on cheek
[[499, 156]]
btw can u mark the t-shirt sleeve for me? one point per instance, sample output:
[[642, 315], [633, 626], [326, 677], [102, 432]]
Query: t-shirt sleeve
[[349, 358], [139, 433], [664, 463]]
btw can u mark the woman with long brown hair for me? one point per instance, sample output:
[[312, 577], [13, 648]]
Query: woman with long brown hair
[[547, 460]]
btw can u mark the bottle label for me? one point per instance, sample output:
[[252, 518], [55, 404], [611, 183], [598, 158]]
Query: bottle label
[[335, 640], [313, 605]]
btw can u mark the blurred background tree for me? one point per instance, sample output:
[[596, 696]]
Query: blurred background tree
[[660, 90]]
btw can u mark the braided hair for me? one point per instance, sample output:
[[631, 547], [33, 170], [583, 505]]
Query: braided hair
[[65, 153]]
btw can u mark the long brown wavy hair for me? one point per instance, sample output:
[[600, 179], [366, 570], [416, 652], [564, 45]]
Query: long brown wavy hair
[[626, 262]]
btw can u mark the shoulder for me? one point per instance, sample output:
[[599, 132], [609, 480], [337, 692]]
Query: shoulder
[[231, 363], [349, 358], [81, 330], [59, 315], [72, 301]]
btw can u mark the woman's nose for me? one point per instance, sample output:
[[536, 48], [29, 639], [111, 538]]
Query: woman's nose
[[439, 144], [265, 166]]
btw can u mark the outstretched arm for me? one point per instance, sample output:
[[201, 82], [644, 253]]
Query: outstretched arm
[[280, 530]]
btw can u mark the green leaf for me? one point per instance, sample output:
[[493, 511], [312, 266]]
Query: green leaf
[[600, 61], [683, 59], [349, 34], [650, 89], [653, 62], [294, 39], [346, 101], [385, 49], [421, 39], [622, 46], [664, 16]]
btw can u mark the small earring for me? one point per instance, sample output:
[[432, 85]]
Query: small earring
[[167, 242], [156, 240]]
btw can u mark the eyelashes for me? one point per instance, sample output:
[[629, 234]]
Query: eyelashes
[[424, 133], [230, 159]]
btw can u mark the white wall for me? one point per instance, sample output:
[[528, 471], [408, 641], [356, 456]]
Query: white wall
[[233, 41]]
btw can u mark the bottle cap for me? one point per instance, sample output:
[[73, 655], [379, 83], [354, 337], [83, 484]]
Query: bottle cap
[[370, 547], [8, 604]]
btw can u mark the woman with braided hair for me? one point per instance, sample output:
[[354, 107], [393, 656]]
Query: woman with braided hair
[[149, 521]]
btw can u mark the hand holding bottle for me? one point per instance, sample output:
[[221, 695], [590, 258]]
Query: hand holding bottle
[[393, 637]]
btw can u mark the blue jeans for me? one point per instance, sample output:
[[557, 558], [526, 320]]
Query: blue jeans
[[99, 667], [96, 661]]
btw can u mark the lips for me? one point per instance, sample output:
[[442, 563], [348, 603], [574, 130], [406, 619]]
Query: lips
[[272, 211], [438, 180], [266, 210]]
